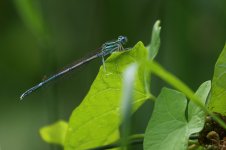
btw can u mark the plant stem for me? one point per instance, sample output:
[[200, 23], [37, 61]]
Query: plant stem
[[134, 140]]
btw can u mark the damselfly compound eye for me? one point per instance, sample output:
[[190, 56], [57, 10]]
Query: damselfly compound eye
[[122, 39]]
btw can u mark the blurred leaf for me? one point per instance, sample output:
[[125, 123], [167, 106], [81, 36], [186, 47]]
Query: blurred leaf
[[96, 120], [218, 93], [168, 127], [200, 148], [126, 106], [154, 45], [30, 12], [54, 133]]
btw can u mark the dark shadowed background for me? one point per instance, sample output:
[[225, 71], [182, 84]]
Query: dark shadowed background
[[40, 37]]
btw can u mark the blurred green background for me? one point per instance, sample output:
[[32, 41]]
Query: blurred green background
[[38, 37]]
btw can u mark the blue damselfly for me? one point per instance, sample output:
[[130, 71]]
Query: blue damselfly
[[106, 49]]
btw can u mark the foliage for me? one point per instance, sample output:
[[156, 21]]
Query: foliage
[[55, 133], [98, 118], [218, 93], [168, 126], [114, 95]]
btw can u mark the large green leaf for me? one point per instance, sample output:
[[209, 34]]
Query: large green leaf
[[168, 128], [96, 120], [217, 101]]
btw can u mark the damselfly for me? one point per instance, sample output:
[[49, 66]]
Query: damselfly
[[105, 49]]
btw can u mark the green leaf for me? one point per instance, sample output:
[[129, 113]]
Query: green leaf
[[168, 127], [153, 49], [96, 120], [196, 116], [54, 133], [218, 92], [154, 45]]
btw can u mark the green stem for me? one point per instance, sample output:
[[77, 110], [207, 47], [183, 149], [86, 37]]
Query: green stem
[[134, 140]]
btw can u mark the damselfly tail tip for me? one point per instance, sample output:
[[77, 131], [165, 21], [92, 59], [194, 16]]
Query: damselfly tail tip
[[25, 94], [22, 96]]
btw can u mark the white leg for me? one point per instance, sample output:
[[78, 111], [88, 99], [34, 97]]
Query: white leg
[[121, 47], [103, 63]]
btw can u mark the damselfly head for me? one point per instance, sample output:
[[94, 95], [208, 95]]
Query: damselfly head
[[122, 39]]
